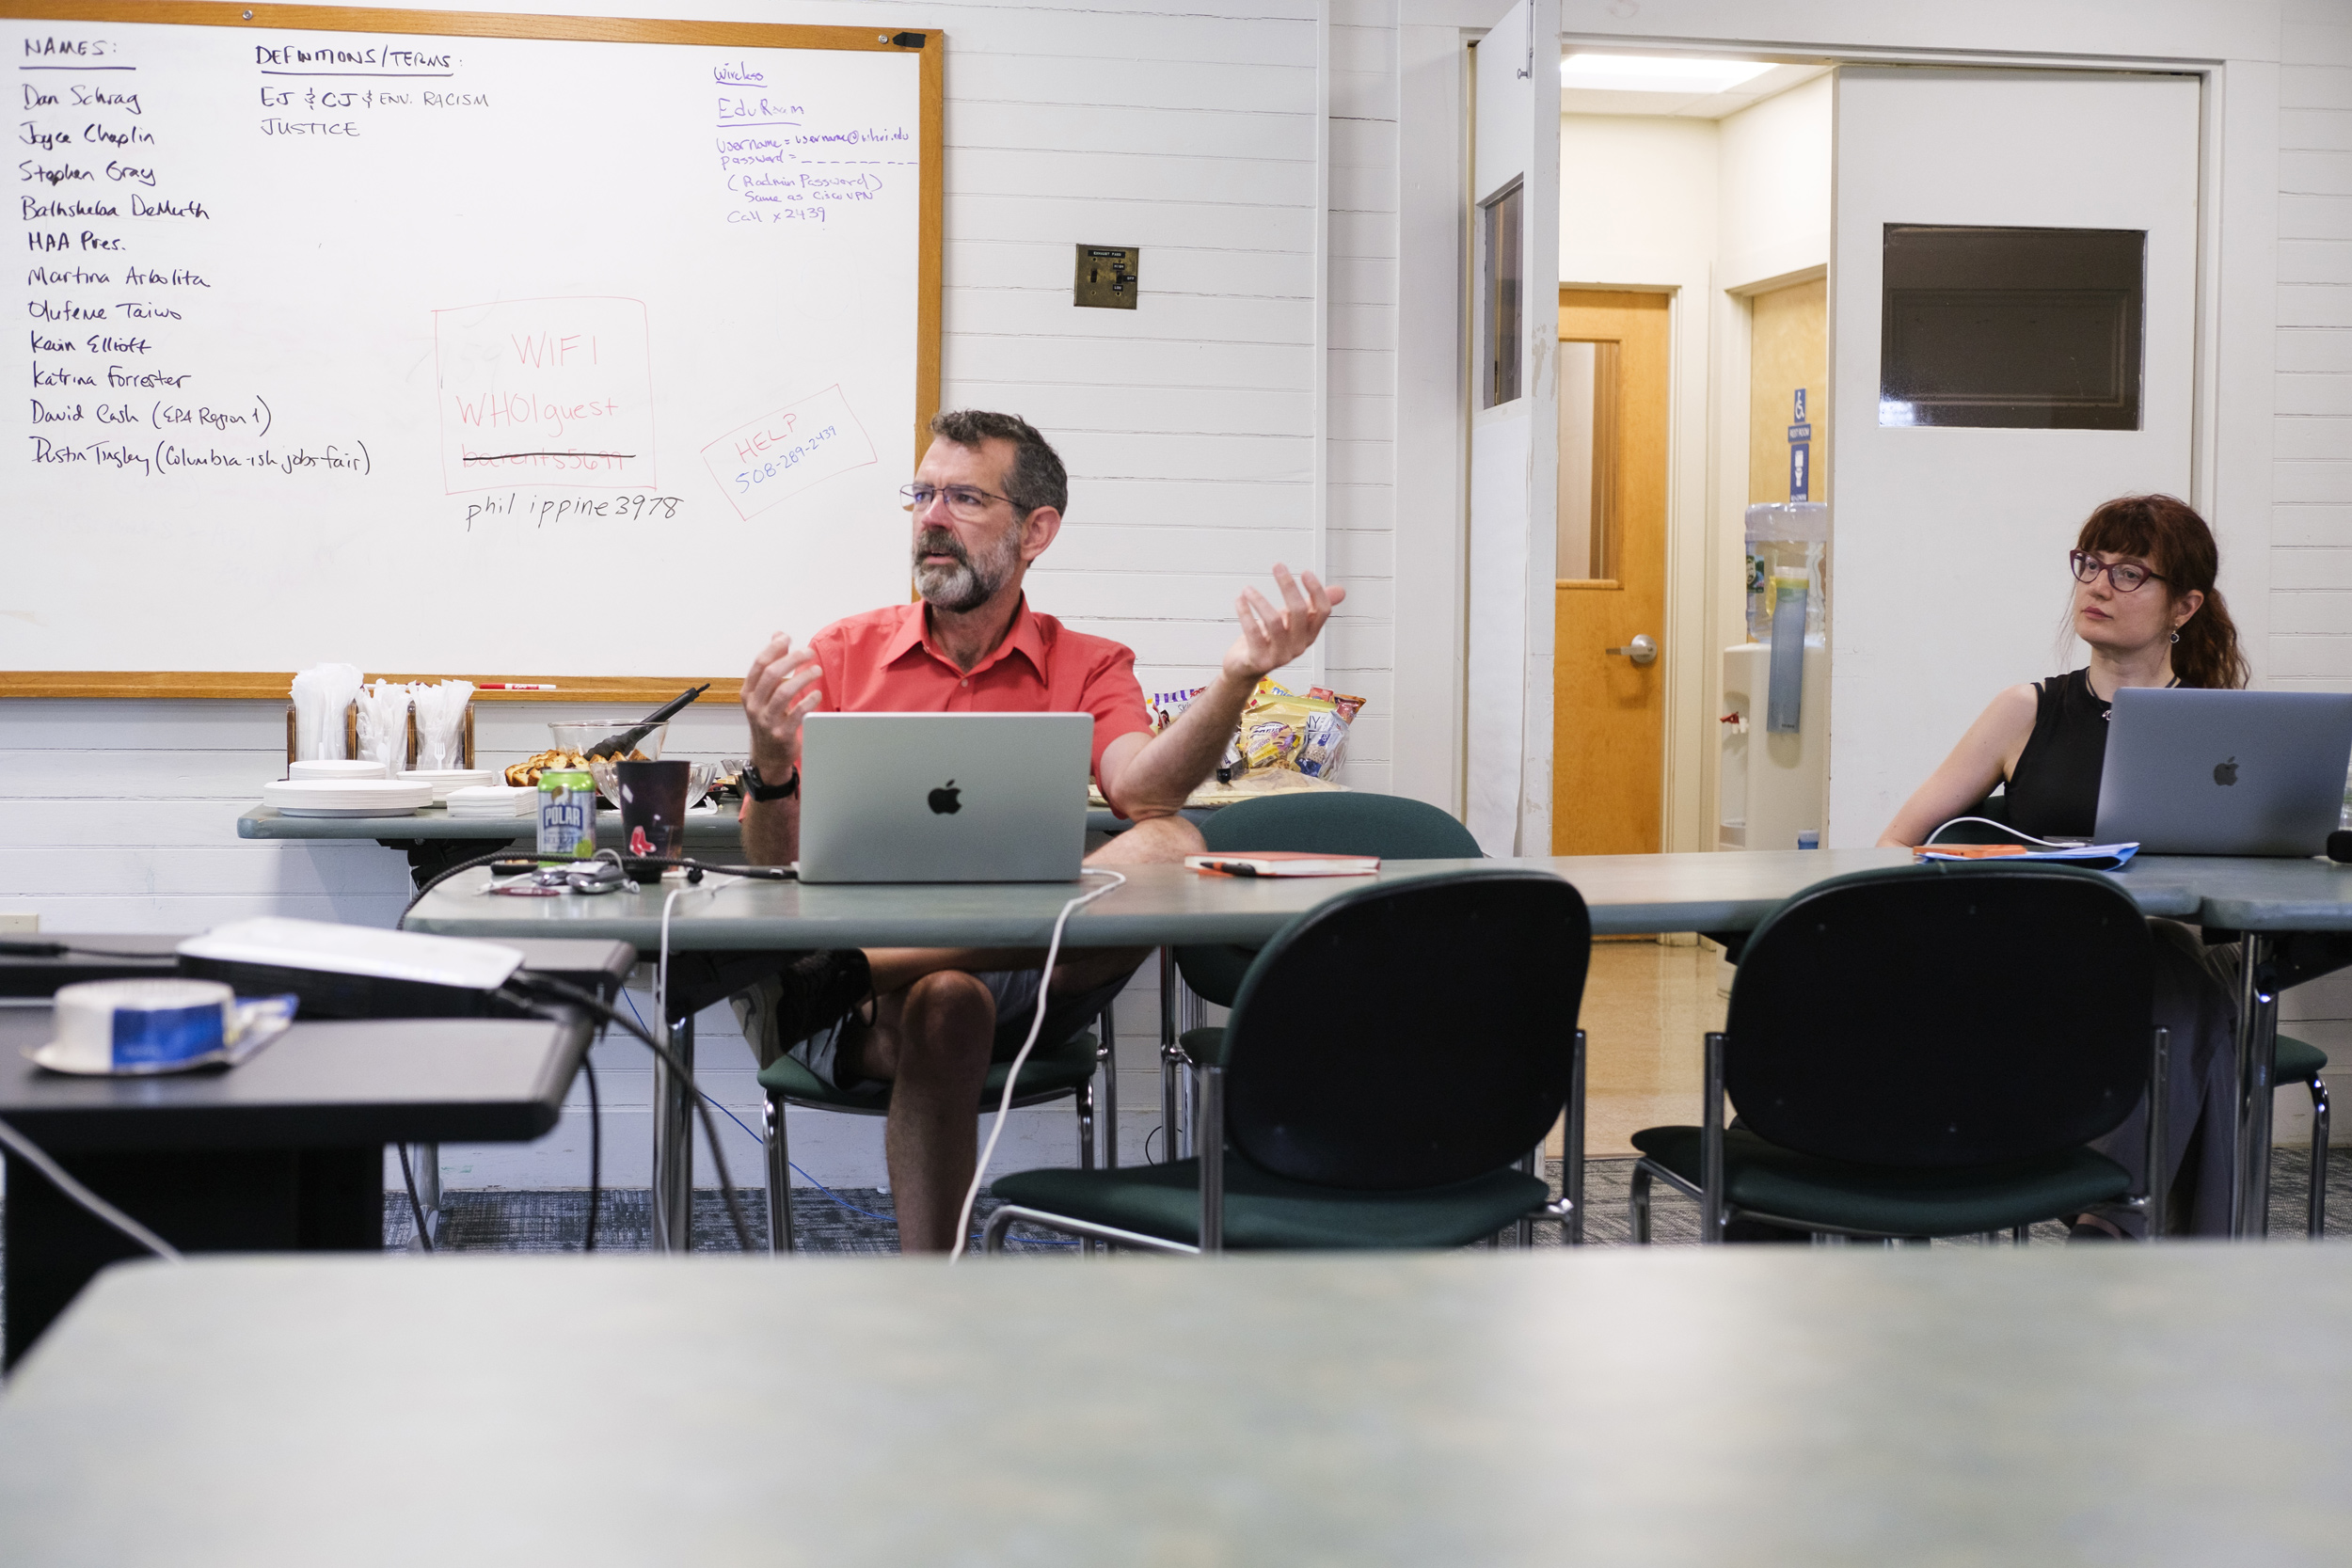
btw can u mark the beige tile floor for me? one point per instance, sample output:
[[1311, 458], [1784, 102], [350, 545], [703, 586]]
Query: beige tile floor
[[1646, 1007]]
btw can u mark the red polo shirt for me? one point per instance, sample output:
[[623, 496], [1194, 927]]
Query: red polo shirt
[[884, 661]]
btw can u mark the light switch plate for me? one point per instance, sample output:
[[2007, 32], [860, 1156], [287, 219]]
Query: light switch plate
[[19, 925], [1109, 276]]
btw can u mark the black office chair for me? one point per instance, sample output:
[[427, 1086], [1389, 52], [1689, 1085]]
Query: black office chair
[[1925, 1051], [1394, 1060], [1324, 822], [1063, 1071]]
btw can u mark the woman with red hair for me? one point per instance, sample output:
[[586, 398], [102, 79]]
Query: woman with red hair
[[2146, 603]]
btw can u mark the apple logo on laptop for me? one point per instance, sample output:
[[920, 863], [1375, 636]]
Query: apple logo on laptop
[[2224, 773], [943, 799]]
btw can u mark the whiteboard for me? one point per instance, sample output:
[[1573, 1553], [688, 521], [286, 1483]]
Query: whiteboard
[[458, 353]]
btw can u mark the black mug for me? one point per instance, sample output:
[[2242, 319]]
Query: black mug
[[653, 814]]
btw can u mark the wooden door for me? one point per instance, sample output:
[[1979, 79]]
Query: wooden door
[[1609, 710]]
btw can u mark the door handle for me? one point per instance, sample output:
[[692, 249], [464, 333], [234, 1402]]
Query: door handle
[[1642, 650]]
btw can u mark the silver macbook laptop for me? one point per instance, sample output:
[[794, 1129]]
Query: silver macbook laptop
[[2195, 773], [943, 797]]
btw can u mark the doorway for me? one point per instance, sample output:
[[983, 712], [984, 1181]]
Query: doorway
[[1609, 669]]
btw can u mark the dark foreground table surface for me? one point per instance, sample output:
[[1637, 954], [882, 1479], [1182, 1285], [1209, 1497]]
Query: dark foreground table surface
[[601, 967], [1756, 1406], [285, 1152]]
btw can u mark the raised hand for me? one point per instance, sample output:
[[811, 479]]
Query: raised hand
[[1271, 638], [780, 691]]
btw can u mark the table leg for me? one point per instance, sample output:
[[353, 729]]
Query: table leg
[[424, 1164], [673, 1144], [2257, 1050], [1106, 1134], [1191, 1013], [199, 1200], [1171, 1060]]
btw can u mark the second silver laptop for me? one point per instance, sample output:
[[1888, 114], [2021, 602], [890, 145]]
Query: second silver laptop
[[2203, 772]]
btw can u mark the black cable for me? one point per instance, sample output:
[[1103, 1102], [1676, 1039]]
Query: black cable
[[443, 876], [761, 873], [694, 868], [60, 949], [573, 996], [408, 1179], [596, 1147]]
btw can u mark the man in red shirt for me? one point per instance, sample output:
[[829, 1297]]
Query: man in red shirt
[[986, 502]]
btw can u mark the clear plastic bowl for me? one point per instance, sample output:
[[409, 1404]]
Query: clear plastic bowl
[[579, 737]]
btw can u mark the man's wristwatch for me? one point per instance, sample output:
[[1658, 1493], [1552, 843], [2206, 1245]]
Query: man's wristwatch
[[757, 788]]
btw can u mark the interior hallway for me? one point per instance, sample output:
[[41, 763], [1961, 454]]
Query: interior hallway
[[1648, 1007]]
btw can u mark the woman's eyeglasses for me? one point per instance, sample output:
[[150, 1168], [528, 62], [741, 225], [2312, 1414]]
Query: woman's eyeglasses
[[962, 499], [2125, 577]]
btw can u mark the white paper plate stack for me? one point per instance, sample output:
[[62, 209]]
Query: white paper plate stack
[[316, 770], [493, 801], [445, 780], [346, 796]]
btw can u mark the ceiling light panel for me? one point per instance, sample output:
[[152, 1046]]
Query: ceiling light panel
[[1676, 73]]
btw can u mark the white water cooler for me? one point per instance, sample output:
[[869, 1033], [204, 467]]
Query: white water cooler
[[1775, 714]]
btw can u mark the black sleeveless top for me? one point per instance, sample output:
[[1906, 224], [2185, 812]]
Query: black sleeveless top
[[2054, 792]]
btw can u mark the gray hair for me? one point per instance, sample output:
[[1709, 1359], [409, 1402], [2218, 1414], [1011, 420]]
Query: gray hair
[[1036, 478]]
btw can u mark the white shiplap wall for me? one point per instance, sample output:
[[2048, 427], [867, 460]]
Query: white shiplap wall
[[2311, 530], [1187, 425], [2310, 581]]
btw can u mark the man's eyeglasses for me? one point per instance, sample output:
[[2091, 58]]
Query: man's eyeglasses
[[962, 499], [2126, 576]]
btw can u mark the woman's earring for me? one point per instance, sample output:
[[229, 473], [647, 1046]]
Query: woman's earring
[[2176, 636]]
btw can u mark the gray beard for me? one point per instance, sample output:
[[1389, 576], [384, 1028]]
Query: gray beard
[[969, 584]]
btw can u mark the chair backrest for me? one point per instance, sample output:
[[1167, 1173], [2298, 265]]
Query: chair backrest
[[1409, 1033], [1341, 822], [1943, 1014]]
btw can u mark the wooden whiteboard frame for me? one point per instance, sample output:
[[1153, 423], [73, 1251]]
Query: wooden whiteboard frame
[[931, 206]]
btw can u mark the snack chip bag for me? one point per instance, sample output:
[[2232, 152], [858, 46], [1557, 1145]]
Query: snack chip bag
[[1167, 706], [1278, 729], [1348, 706]]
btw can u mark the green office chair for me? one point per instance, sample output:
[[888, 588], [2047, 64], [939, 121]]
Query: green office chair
[[1066, 1071], [1350, 1102], [1338, 822], [2298, 1062], [1925, 1051]]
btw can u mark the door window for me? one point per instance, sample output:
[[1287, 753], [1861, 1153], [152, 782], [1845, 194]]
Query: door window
[[1499, 264], [2013, 328], [1588, 547]]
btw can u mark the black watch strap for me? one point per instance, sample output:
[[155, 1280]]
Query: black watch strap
[[757, 788]]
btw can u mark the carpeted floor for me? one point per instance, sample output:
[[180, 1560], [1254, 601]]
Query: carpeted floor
[[857, 1219]]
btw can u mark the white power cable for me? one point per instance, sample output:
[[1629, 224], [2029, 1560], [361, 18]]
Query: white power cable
[[661, 968], [1012, 1074], [36, 1157]]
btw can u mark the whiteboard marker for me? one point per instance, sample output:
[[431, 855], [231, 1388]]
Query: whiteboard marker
[[515, 685]]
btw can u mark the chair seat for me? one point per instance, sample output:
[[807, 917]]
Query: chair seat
[[1214, 969], [1888, 1200], [1050, 1074], [1203, 1046], [1264, 1212], [2297, 1061]]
